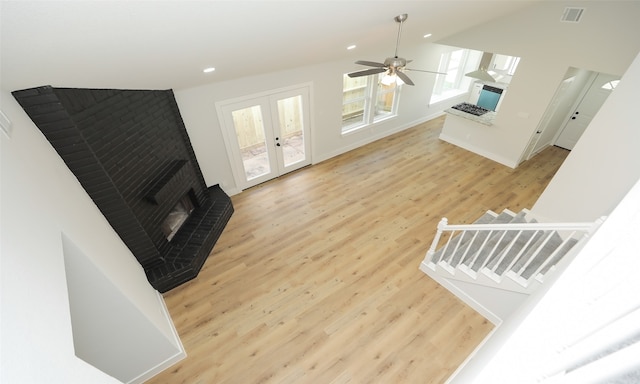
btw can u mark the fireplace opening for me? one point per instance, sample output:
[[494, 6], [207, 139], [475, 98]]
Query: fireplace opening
[[178, 215]]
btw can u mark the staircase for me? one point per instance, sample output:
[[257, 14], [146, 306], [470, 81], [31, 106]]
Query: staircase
[[507, 252]]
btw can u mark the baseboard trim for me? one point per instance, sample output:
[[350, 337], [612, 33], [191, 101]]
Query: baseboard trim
[[371, 139], [479, 151], [462, 295], [466, 361], [178, 356]]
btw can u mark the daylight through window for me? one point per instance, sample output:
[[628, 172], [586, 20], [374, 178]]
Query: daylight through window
[[365, 101], [455, 63]]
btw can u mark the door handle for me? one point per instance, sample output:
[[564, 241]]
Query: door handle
[[573, 118], [277, 144]]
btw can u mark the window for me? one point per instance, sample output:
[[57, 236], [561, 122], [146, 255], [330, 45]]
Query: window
[[505, 64], [365, 100], [503, 67], [455, 64], [610, 85]]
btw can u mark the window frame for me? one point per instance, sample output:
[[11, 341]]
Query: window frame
[[469, 61], [371, 113], [509, 63]]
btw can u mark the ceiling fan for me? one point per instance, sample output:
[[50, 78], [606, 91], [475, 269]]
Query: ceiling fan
[[394, 66]]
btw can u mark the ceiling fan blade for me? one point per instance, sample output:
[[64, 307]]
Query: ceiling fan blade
[[422, 70], [367, 72], [404, 78], [369, 63]]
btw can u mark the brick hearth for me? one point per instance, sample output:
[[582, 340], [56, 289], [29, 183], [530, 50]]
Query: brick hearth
[[130, 151]]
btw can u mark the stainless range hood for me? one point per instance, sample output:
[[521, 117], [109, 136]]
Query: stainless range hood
[[481, 73]]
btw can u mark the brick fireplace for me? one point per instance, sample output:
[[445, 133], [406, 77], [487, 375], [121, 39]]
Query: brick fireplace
[[130, 151]]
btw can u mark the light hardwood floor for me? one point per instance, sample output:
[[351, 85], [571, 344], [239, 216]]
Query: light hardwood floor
[[315, 279]]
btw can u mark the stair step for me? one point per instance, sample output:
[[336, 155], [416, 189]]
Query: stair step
[[526, 237], [445, 254], [497, 243], [458, 260], [465, 253], [565, 249], [554, 242]]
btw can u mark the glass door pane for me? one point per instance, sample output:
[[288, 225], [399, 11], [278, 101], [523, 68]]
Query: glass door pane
[[292, 138], [266, 136], [249, 127]]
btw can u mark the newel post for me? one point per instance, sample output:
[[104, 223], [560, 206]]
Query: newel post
[[441, 225]]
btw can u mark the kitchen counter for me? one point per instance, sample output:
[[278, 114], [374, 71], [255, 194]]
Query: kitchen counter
[[486, 119]]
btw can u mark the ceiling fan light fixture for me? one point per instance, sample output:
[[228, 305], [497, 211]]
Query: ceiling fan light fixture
[[393, 66], [388, 79], [391, 78]]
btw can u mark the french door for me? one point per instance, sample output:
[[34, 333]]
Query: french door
[[267, 135]]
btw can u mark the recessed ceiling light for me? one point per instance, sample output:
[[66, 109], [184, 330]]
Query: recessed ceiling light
[[208, 70], [353, 46], [427, 35]]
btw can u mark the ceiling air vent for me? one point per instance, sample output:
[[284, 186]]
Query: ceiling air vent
[[572, 15]]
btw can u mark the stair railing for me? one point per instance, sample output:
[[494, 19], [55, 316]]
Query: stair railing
[[567, 231]]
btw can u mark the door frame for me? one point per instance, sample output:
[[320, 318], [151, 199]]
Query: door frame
[[586, 91], [543, 128], [535, 146], [230, 141]]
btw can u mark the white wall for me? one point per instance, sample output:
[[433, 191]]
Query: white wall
[[603, 165], [600, 172], [600, 42], [109, 332], [197, 106], [40, 201]]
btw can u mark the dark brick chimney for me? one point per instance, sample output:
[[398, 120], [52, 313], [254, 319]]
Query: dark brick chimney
[[130, 151]]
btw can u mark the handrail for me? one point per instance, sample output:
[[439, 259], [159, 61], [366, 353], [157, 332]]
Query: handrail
[[584, 226], [467, 249]]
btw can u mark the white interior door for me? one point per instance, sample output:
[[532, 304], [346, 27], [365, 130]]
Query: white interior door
[[543, 136], [590, 104], [267, 135]]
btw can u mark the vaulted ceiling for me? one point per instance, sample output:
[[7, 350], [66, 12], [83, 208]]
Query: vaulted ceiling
[[167, 44]]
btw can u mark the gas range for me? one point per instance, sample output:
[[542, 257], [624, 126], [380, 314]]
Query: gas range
[[471, 109]]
